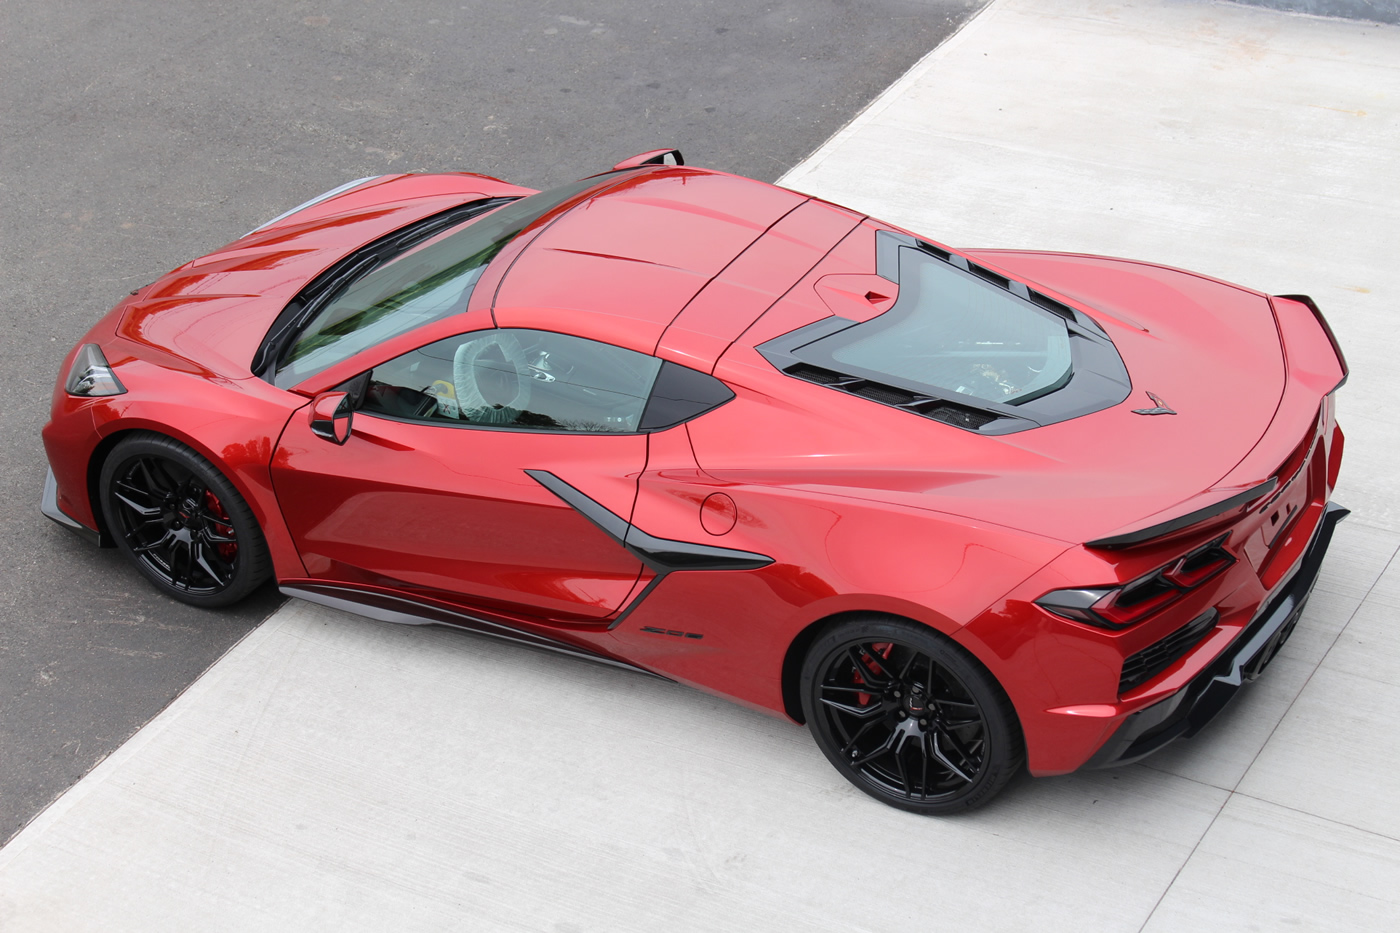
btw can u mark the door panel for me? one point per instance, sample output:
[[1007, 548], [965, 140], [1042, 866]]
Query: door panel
[[449, 512]]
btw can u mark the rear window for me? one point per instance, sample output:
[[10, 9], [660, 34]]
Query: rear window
[[953, 333], [962, 345]]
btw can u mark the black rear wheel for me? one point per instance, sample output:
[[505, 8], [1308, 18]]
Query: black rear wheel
[[182, 522], [908, 717]]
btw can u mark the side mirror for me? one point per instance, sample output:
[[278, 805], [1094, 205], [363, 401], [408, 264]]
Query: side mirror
[[654, 157], [330, 416]]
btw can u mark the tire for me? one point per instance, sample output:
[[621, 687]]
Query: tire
[[181, 522], [909, 717]]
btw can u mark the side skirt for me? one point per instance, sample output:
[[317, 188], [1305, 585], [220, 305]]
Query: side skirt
[[404, 611]]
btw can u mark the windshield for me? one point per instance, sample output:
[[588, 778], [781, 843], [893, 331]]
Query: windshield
[[432, 280]]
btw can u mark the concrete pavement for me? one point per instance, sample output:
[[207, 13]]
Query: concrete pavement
[[334, 773]]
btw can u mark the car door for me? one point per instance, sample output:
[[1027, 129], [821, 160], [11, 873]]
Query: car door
[[429, 493]]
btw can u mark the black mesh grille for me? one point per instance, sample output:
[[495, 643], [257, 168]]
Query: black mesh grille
[[1157, 657], [947, 412], [962, 417], [885, 395], [815, 374]]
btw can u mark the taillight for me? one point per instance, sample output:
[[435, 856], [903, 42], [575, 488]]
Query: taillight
[[1117, 607]]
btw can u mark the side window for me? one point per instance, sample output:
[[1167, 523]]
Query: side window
[[521, 379]]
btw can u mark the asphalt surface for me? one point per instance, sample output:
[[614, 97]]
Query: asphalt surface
[[136, 136]]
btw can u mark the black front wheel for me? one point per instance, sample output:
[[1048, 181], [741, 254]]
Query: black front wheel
[[909, 717], [182, 522]]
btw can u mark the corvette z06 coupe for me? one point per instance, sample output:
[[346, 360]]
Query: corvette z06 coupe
[[961, 512]]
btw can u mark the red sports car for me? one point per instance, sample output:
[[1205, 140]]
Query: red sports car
[[960, 512]]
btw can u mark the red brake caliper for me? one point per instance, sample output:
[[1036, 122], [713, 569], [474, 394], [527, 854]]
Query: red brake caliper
[[882, 651], [227, 549]]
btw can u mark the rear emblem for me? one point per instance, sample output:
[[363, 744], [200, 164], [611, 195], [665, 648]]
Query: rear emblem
[[1161, 408]]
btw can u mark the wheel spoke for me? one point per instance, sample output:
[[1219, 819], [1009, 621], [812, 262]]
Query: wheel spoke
[[202, 558], [131, 490], [183, 558], [846, 749], [860, 712], [903, 775], [943, 759], [888, 745], [908, 666], [858, 653], [145, 511], [165, 541], [157, 477]]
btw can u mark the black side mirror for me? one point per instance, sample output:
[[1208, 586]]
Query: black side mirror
[[330, 416]]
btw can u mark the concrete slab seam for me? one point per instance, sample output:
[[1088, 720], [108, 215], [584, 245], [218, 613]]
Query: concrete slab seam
[[891, 93], [133, 745], [1232, 792], [1336, 638]]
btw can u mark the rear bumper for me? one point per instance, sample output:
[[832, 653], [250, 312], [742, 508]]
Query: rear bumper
[[1186, 712]]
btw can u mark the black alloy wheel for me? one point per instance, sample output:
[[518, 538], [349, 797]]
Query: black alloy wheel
[[182, 522], [909, 717]]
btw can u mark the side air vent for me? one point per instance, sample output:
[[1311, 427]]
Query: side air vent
[[938, 251], [1000, 281], [1155, 658], [1053, 306], [961, 416], [969, 418], [815, 374], [885, 395]]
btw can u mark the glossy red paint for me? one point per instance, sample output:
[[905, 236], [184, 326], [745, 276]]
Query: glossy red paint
[[448, 513], [838, 505]]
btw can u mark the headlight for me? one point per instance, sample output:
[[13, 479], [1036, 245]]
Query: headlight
[[91, 375], [316, 200]]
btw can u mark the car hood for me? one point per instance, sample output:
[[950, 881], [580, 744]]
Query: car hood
[[215, 310], [1208, 350]]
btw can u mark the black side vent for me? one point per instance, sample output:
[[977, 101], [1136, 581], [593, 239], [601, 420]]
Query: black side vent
[[885, 395], [938, 251], [1000, 281], [961, 416], [969, 418], [815, 374], [1157, 657], [1053, 306]]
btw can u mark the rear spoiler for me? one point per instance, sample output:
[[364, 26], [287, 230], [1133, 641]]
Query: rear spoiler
[[1196, 516], [1311, 305]]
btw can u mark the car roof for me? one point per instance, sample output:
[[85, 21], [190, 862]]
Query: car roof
[[623, 264]]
